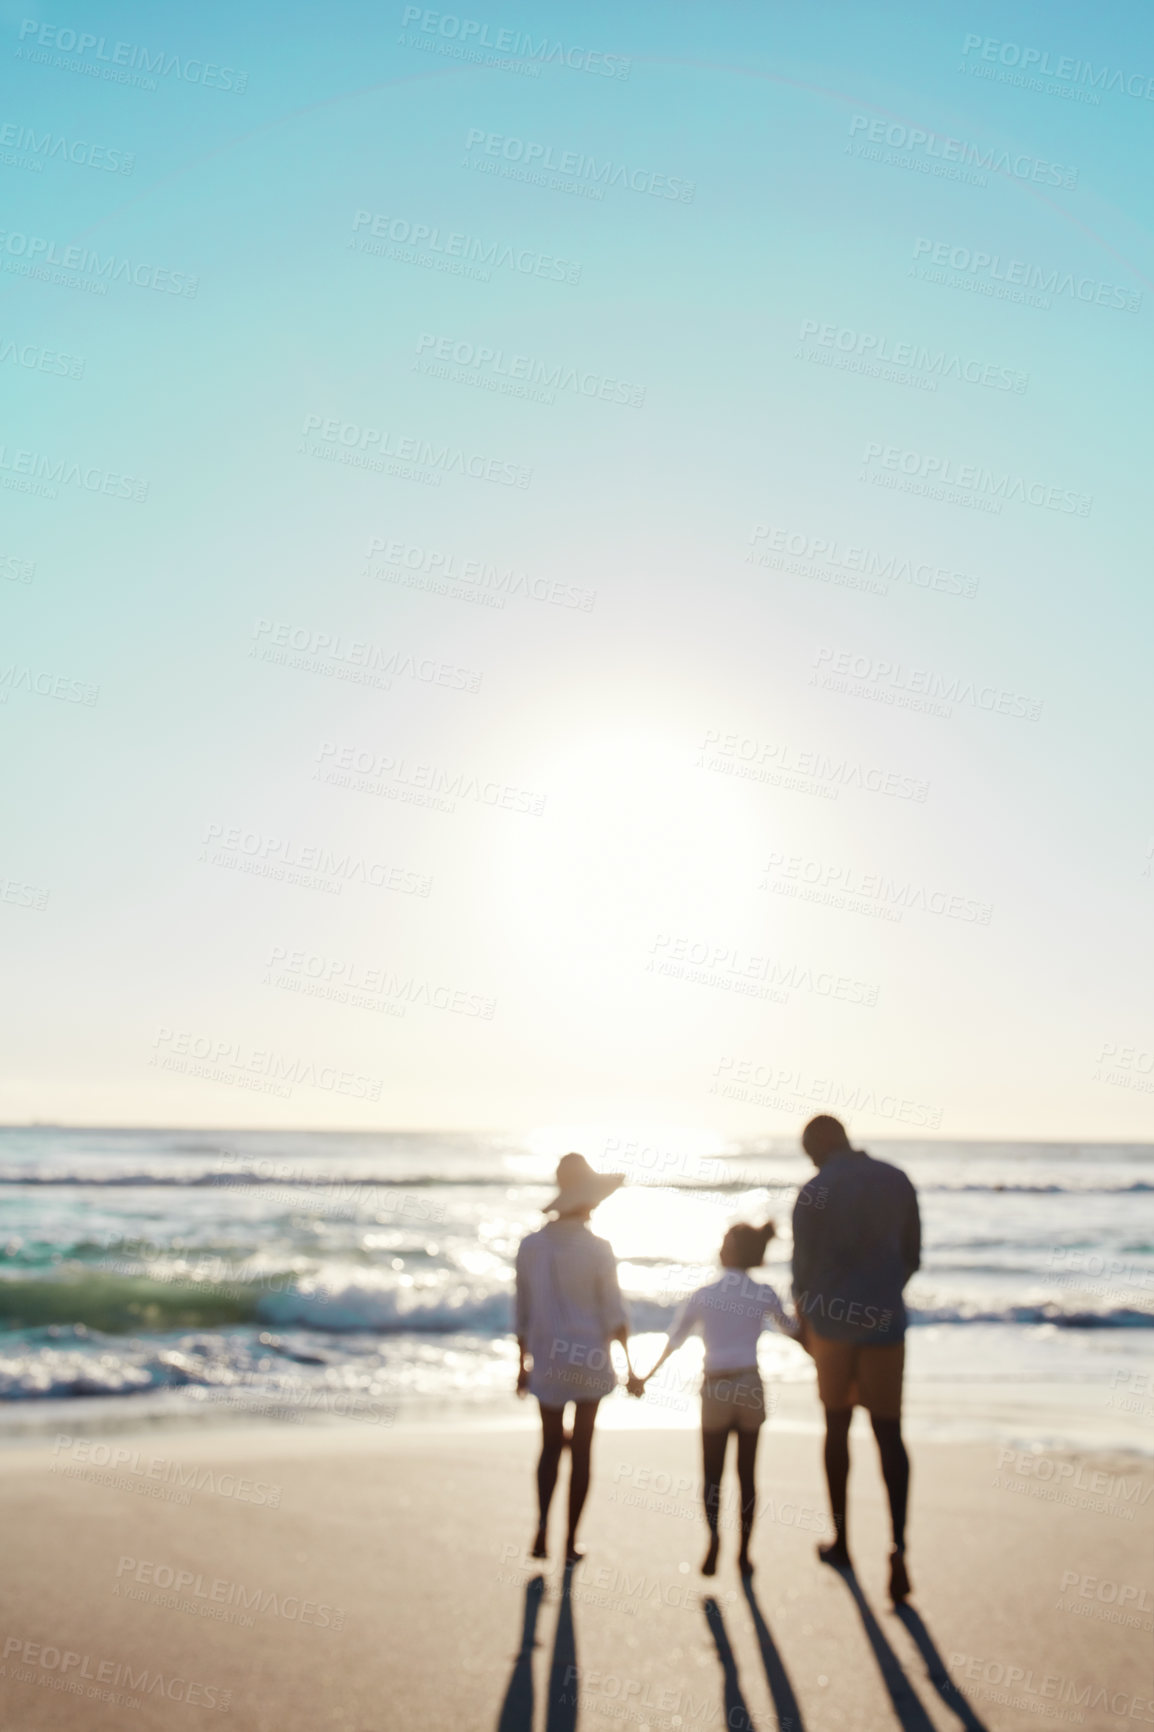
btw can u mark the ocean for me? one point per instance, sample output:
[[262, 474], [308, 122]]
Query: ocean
[[334, 1277]]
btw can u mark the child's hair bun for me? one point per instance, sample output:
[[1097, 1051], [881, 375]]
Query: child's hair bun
[[746, 1244]]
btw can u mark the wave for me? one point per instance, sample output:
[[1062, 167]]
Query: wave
[[246, 1369], [133, 1305], [330, 1181], [1139, 1185], [229, 1181], [123, 1304], [255, 1179], [1046, 1311]]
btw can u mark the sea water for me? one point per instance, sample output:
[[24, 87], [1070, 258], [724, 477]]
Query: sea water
[[368, 1277]]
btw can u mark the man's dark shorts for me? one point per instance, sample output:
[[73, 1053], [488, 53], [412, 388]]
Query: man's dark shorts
[[854, 1374]]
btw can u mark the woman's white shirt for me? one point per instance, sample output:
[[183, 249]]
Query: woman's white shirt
[[569, 1306]]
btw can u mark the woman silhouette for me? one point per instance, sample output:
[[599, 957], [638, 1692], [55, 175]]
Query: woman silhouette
[[569, 1310]]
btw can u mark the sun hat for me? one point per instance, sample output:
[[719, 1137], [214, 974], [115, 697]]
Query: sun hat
[[579, 1187]]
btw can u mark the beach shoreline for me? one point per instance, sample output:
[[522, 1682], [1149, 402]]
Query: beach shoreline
[[1109, 1409], [333, 1578]]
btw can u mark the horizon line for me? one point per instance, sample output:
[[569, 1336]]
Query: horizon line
[[484, 1131]]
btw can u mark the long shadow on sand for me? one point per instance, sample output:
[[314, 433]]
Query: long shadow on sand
[[912, 1717], [564, 1685], [517, 1709], [936, 1670], [737, 1717], [784, 1701]]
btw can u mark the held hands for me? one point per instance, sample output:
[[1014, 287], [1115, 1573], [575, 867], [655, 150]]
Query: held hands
[[636, 1385]]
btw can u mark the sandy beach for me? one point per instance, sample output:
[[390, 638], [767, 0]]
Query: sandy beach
[[364, 1578]]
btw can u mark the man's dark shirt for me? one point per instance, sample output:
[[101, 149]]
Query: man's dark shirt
[[856, 1242]]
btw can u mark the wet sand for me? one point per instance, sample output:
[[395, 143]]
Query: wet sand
[[361, 1579]]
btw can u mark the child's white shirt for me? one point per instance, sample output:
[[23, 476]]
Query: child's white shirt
[[730, 1313]]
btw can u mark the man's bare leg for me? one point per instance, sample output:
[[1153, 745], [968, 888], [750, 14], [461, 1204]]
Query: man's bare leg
[[896, 1473], [837, 1424]]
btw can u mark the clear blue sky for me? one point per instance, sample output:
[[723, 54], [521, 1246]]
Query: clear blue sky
[[722, 442]]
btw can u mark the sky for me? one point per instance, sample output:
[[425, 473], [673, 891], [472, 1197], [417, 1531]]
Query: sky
[[577, 566]]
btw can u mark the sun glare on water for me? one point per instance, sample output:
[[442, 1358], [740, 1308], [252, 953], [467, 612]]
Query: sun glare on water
[[644, 1152], [669, 1211]]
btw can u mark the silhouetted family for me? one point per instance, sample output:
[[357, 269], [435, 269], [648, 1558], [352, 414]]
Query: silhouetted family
[[856, 1242]]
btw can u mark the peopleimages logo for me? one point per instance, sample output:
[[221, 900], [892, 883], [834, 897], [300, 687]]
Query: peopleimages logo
[[24, 895], [38, 253], [873, 893], [471, 33], [453, 251], [221, 1592], [371, 447], [218, 1058], [352, 982], [14, 570], [1039, 60], [353, 658], [124, 57], [871, 346], [439, 569], [787, 1089], [317, 867], [424, 783], [40, 473], [842, 670], [843, 561], [1016, 273], [17, 677], [51, 146], [497, 369], [41, 360], [1050, 1694], [594, 173], [123, 1683], [971, 477], [812, 771], [1018, 165], [729, 966]]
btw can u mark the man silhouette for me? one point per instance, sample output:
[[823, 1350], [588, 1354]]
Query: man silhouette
[[856, 1242]]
